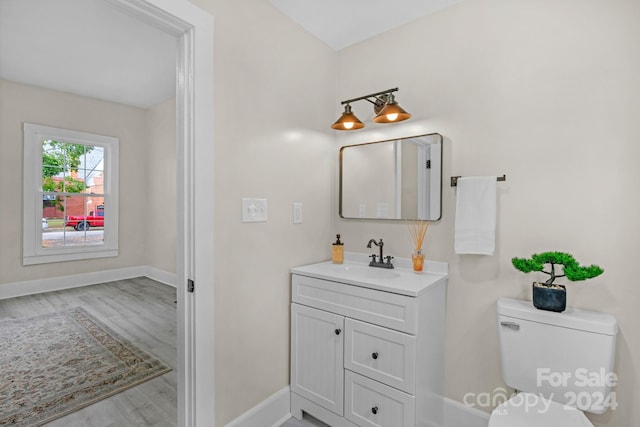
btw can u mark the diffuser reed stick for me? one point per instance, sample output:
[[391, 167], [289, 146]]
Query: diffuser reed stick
[[418, 230]]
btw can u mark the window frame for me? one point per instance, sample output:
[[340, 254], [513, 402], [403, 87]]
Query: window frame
[[33, 252]]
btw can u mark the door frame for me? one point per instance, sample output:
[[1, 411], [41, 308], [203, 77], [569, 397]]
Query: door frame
[[193, 29]]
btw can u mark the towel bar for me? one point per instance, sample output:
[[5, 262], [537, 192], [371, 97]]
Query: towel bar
[[454, 179]]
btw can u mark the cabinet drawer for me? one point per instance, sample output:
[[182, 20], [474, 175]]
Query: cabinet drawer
[[380, 353], [369, 403], [382, 308]]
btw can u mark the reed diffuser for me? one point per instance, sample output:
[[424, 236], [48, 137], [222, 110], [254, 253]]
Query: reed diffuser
[[418, 230]]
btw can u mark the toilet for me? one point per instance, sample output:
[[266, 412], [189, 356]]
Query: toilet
[[561, 364]]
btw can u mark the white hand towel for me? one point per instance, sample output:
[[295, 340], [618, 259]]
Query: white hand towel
[[475, 228]]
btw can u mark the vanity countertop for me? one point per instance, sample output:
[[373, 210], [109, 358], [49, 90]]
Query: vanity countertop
[[356, 271]]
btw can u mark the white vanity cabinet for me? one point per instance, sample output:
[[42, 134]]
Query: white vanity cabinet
[[367, 346]]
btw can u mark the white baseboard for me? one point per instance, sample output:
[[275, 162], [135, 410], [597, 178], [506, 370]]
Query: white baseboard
[[272, 412], [275, 410], [458, 415], [161, 276], [49, 284]]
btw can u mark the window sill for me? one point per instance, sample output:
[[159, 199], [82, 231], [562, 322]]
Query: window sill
[[73, 256]]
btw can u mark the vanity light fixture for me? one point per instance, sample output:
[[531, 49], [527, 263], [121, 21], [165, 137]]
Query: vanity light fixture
[[384, 105], [348, 120]]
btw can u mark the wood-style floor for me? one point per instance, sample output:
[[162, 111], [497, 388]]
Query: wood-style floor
[[143, 311]]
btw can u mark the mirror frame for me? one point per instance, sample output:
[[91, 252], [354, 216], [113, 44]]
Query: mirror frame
[[341, 166]]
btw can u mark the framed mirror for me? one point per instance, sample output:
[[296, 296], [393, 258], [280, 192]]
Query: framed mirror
[[392, 179]]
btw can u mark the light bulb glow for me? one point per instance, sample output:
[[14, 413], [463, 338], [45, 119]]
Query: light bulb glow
[[392, 117], [348, 125]]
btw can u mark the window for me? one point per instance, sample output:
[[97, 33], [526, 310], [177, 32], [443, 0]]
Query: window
[[70, 195]]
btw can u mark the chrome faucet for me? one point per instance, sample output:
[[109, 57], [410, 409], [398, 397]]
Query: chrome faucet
[[381, 262]]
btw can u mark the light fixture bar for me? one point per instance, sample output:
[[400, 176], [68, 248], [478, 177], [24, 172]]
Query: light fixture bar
[[385, 107], [373, 95]]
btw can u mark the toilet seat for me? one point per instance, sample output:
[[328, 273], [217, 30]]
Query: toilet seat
[[532, 410]]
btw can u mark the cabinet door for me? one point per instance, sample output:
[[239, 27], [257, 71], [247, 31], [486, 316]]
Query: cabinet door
[[317, 356]]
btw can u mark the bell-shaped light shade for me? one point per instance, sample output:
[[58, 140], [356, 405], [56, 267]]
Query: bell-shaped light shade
[[391, 113], [347, 121]]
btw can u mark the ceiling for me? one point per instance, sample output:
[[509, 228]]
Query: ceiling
[[86, 47], [341, 23], [91, 48]]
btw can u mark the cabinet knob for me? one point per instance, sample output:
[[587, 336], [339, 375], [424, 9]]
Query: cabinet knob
[[374, 410], [374, 355], [338, 331]]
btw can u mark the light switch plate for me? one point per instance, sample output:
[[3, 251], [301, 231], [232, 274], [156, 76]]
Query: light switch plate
[[297, 213], [254, 210], [362, 210], [382, 210]]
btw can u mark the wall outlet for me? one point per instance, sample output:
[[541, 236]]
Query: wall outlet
[[297, 213], [254, 210]]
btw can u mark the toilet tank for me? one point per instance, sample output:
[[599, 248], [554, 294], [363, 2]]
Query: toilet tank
[[566, 357]]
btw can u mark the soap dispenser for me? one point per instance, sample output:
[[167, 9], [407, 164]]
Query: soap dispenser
[[337, 251]]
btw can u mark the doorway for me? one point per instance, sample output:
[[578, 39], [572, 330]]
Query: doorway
[[193, 30], [194, 104]]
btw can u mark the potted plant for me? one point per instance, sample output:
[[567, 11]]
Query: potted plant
[[547, 295]]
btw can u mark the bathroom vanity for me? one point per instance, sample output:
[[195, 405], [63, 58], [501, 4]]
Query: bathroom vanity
[[367, 344]]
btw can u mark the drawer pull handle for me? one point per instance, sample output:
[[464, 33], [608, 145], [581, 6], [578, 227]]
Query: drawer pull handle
[[374, 355], [337, 331], [374, 410]]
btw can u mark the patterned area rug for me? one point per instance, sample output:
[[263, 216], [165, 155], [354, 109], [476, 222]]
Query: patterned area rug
[[54, 364]]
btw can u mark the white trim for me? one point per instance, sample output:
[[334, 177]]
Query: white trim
[[397, 149], [435, 190], [193, 28], [161, 276], [49, 284], [423, 181], [33, 251], [273, 411], [458, 415]]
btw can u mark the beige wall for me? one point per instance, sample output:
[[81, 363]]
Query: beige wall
[[274, 97], [20, 103], [147, 177], [545, 92], [160, 210]]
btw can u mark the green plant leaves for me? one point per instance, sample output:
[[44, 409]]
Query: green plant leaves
[[572, 270], [526, 265], [582, 273]]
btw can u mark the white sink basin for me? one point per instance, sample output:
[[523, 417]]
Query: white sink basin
[[356, 271], [367, 272]]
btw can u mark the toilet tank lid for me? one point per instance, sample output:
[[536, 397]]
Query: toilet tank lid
[[572, 318]]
